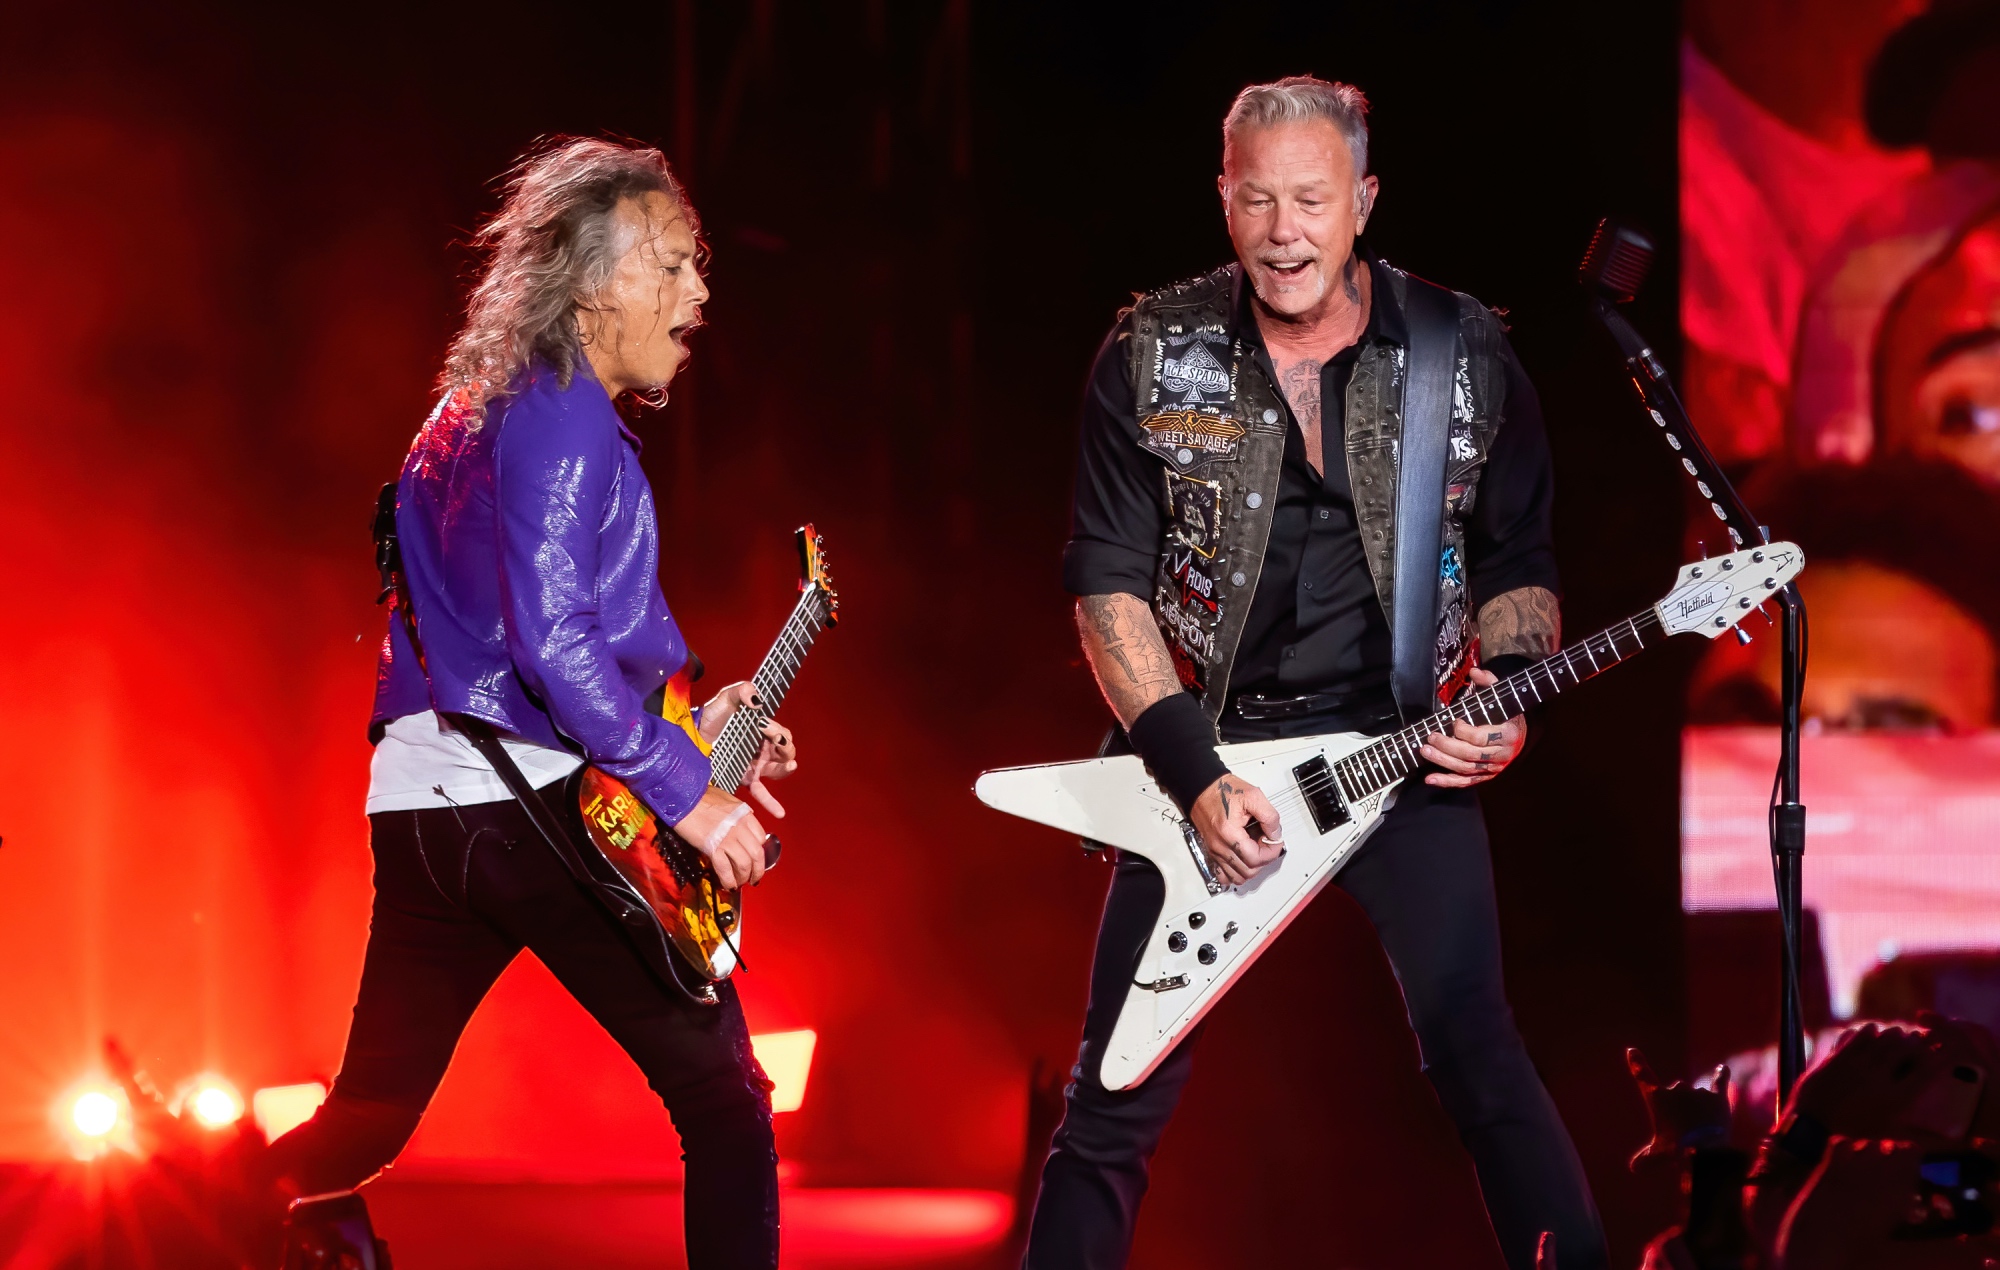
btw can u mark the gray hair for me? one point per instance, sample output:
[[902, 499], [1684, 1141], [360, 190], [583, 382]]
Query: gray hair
[[550, 251], [1300, 99]]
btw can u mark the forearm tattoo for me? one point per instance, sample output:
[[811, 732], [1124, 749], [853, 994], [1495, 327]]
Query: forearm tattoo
[[1127, 653], [1526, 620]]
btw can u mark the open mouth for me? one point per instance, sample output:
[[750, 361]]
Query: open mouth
[[680, 333], [1288, 268]]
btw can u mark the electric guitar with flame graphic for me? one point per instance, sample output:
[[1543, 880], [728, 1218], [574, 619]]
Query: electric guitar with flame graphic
[[703, 921]]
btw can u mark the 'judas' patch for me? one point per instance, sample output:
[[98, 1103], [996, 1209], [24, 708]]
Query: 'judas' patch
[[1197, 513], [1187, 437]]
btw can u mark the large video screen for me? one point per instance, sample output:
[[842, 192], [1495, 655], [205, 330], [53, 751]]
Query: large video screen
[[1840, 220]]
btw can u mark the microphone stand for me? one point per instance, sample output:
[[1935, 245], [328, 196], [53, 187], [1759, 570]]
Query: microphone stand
[[1788, 815]]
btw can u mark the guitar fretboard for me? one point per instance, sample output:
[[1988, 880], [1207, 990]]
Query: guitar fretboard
[[1392, 757], [743, 735]]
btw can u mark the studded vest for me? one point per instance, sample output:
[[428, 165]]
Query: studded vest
[[1211, 415]]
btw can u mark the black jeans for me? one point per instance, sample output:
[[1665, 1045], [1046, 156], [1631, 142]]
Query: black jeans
[[1426, 881], [458, 893]]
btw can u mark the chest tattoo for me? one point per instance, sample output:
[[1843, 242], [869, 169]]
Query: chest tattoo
[[1300, 383]]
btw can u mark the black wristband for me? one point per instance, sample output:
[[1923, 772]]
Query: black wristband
[[1175, 738]]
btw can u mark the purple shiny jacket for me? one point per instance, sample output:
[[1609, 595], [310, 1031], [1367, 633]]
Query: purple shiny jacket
[[531, 550]]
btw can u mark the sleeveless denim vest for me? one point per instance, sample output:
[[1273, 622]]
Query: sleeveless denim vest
[[1215, 421]]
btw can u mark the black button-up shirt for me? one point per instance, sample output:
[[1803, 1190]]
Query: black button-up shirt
[[1315, 623]]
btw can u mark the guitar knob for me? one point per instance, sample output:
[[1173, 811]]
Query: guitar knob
[[1207, 955], [1196, 919], [1177, 942]]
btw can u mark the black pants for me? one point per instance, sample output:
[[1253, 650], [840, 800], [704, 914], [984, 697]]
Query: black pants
[[458, 893], [1425, 879]]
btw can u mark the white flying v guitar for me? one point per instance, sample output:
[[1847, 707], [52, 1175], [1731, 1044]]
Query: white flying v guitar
[[1331, 791]]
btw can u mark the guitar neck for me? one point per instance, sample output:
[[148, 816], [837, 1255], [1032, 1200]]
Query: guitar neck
[[743, 735], [1391, 758]]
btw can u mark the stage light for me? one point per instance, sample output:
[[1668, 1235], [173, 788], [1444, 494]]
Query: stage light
[[92, 1117], [281, 1108], [786, 1058], [212, 1101], [94, 1114]]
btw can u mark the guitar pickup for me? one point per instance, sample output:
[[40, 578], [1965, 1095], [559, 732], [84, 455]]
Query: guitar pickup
[[1167, 984], [1322, 794]]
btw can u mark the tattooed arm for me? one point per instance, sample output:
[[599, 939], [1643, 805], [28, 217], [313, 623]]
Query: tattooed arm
[[1525, 621], [1135, 671], [1127, 653]]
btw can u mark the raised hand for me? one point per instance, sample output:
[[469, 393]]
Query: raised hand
[[1866, 1084], [1684, 1115]]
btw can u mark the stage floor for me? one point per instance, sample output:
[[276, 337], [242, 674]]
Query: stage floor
[[119, 1214], [446, 1225]]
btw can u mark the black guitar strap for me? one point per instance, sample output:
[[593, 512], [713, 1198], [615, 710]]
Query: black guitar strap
[[1432, 316], [617, 896]]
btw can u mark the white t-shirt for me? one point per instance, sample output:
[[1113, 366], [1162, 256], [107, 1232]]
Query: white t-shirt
[[420, 763]]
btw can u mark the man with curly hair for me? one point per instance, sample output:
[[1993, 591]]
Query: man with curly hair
[[530, 605]]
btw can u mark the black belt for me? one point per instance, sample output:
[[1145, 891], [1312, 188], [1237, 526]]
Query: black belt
[[1257, 707]]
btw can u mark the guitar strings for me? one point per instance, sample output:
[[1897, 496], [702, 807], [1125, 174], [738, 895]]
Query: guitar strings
[[1393, 757], [742, 736]]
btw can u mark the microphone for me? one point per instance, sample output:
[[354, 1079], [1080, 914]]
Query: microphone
[[1616, 264], [1613, 268]]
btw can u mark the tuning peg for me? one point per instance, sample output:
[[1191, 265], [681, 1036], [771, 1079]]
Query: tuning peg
[[1742, 636], [1701, 545]]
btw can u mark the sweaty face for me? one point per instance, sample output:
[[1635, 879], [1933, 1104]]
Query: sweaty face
[[634, 335], [1940, 359], [1295, 206]]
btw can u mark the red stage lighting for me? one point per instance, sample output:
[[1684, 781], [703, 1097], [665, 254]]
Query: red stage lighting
[[279, 1109], [92, 1117], [94, 1114], [209, 1100], [786, 1058]]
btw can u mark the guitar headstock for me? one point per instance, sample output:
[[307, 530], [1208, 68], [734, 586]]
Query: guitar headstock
[[814, 573], [1712, 596]]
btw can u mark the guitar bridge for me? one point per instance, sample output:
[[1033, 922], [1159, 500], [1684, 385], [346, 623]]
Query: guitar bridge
[[1167, 984], [1192, 837], [1322, 794]]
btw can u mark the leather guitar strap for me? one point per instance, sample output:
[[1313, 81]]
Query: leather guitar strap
[[1432, 315]]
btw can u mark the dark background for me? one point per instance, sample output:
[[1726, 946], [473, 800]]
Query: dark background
[[924, 217]]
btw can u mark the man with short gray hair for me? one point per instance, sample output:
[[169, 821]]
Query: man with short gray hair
[[1233, 552]]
